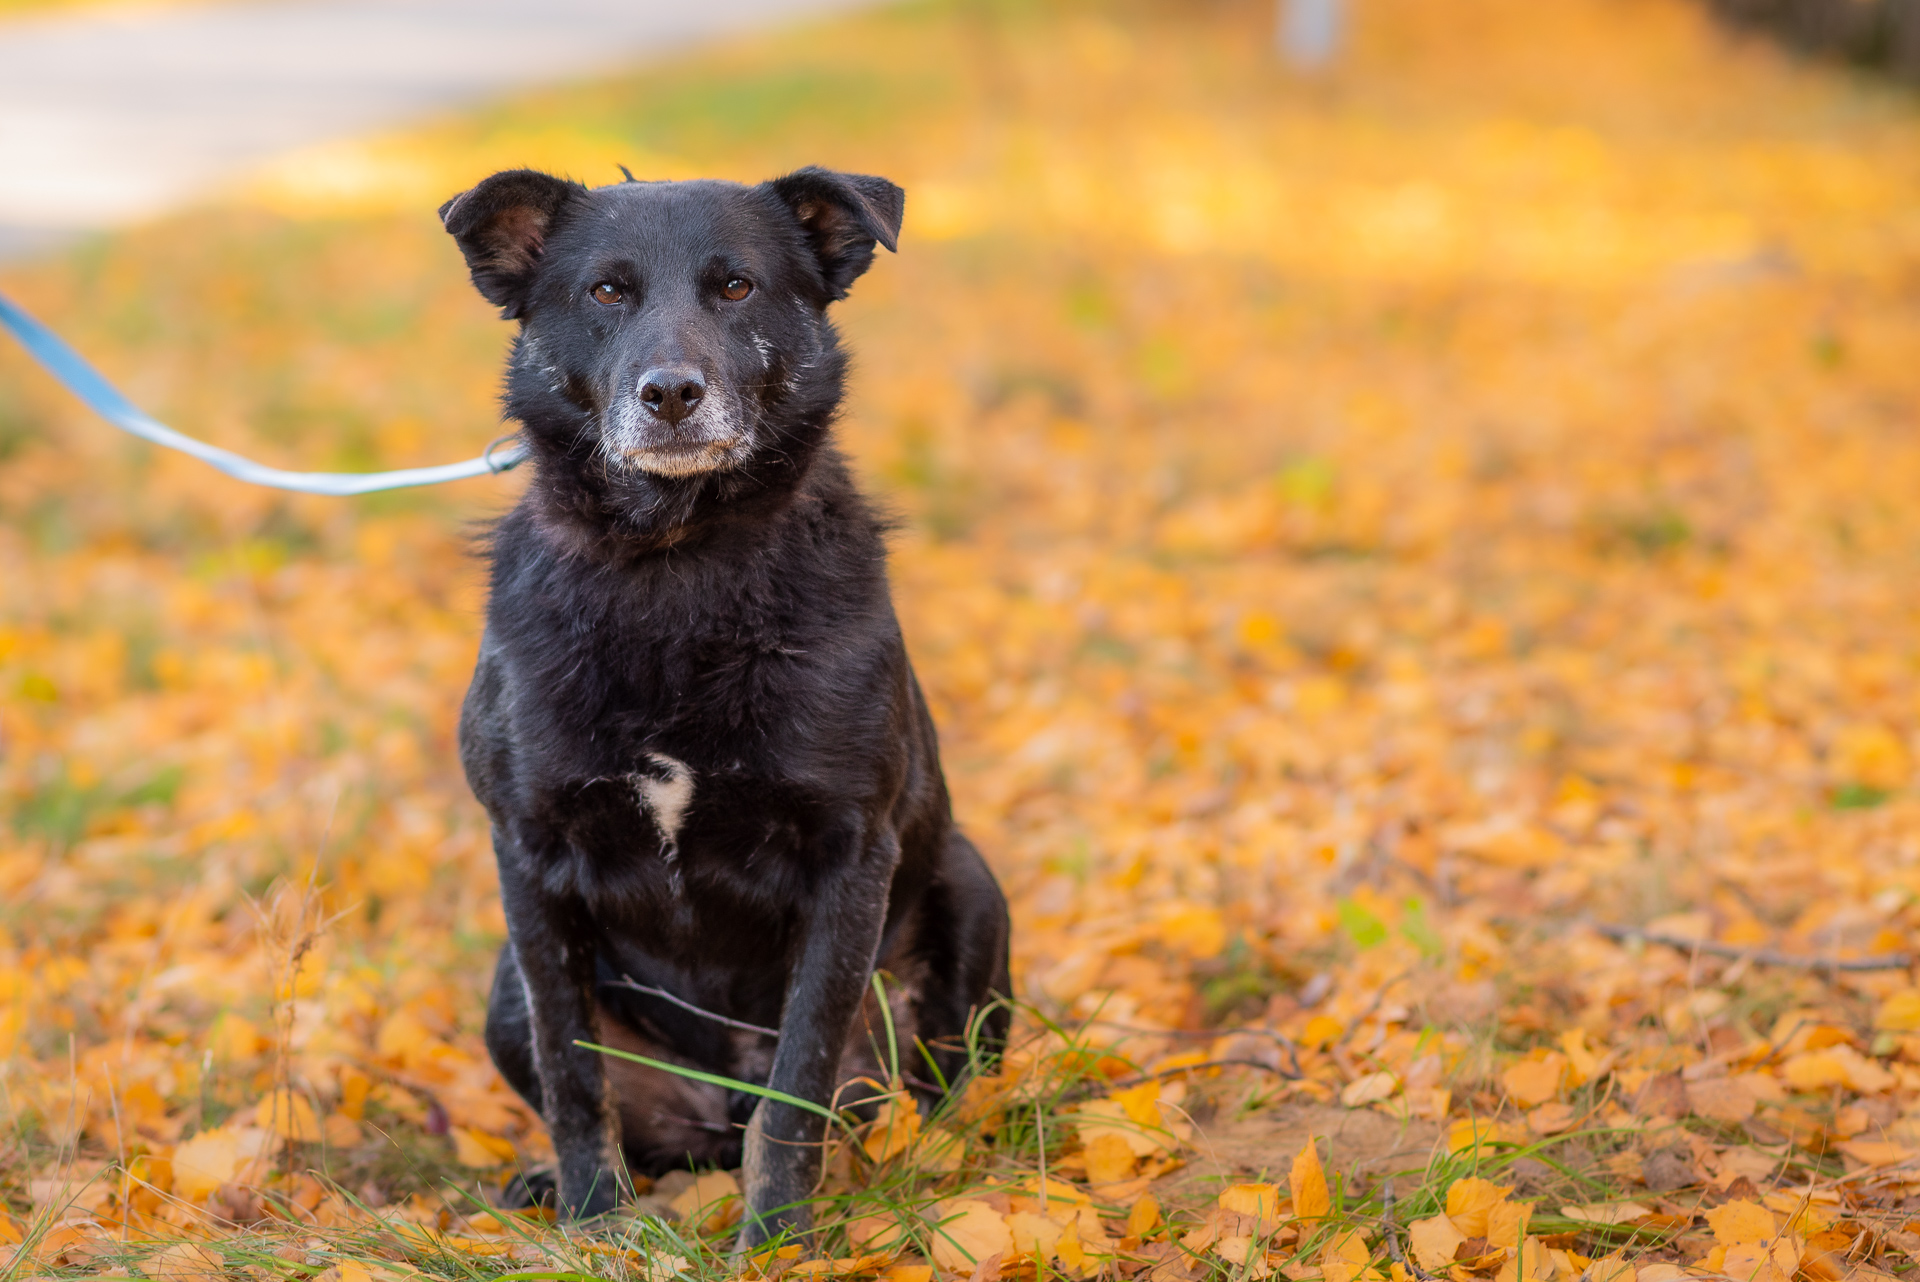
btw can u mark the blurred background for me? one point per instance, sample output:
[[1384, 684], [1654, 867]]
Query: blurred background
[[1382, 486]]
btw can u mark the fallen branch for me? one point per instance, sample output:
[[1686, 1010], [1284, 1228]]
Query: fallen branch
[[1280, 1039], [1756, 956], [1392, 1234], [1085, 1090], [628, 981], [1177, 1069]]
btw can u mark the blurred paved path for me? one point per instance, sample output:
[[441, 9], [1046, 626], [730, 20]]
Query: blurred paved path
[[109, 117]]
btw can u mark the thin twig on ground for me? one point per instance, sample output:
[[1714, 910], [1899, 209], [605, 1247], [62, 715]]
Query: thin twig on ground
[[1392, 1234], [1755, 956], [1178, 1069], [1279, 1039], [628, 982]]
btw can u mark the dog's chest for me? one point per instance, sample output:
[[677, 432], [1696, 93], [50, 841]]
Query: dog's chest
[[634, 822], [686, 847], [663, 789]]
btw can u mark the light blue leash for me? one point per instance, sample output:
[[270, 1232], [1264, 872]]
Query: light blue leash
[[86, 382]]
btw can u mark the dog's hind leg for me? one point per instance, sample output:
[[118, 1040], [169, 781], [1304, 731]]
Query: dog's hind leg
[[510, 1029], [959, 948], [667, 1122]]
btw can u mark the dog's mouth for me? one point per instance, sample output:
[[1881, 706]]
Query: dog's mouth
[[711, 439], [683, 458]]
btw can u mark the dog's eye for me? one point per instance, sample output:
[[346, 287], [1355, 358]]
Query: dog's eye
[[606, 293], [737, 288]]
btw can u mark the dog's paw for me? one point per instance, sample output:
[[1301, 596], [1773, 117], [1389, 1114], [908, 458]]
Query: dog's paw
[[538, 1186]]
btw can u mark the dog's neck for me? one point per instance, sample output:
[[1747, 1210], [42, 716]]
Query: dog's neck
[[590, 512]]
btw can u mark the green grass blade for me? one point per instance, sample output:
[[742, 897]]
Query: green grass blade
[[886, 1013], [715, 1079], [933, 1065]]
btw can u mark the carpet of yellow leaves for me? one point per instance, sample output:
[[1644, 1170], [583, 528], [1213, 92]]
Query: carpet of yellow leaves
[[1414, 571]]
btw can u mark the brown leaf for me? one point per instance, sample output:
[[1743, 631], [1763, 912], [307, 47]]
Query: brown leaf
[[1662, 1095], [1476, 1255], [1722, 1099], [1669, 1168]]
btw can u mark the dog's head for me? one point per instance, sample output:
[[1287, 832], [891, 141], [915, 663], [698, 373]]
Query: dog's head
[[675, 332]]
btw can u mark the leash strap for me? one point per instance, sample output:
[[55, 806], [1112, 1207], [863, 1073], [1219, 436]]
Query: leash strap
[[86, 382]]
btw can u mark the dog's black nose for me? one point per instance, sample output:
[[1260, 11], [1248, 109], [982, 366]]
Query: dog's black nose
[[672, 391]]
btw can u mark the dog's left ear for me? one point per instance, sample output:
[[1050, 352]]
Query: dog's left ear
[[502, 227], [843, 215]]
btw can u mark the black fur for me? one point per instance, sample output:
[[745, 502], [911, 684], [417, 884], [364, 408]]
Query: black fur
[[709, 767]]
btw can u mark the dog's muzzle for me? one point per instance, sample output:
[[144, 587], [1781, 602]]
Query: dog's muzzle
[[672, 424]]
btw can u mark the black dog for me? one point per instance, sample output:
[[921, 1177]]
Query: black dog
[[715, 788]]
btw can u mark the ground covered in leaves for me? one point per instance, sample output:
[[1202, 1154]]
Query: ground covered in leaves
[[1413, 569]]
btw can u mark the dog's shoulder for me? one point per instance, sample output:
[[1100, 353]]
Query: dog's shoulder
[[484, 730]]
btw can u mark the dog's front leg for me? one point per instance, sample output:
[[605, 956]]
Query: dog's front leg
[[552, 939], [783, 1149]]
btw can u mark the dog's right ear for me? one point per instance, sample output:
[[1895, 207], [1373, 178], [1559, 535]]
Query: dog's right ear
[[843, 216], [502, 226]]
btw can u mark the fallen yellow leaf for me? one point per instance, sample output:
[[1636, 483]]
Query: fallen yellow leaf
[[1433, 1242], [1370, 1088], [1035, 1236], [1469, 1201], [1607, 1212], [1532, 1082], [1321, 1031], [205, 1162], [1741, 1222], [1260, 1201], [185, 1262], [1876, 1152], [711, 1203], [1507, 1224], [1144, 1216], [478, 1149], [289, 1115], [1610, 1268], [1900, 1012], [1308, 1183], [1344, 1258], [1469, 1132], [1109, 1158], [908, 1273], [894, 1128], [1814, 1071], [1140, 1103], [966, 1232]]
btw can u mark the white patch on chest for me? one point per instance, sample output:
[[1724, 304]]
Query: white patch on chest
[[665, 800]]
